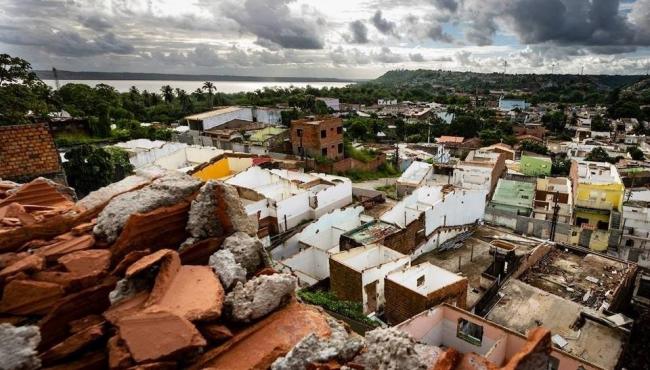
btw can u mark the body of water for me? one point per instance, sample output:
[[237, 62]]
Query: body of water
[[190, 86]]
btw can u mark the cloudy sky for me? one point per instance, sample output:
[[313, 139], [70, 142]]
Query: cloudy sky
[[329, 38]]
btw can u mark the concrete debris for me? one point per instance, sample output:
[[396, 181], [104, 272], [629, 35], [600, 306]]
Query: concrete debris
[[391, 349], [18, 347], [226, 267], [166, 191], [248, 251], [129, 287], [338, 346], [217, 211], [236, 212], [259, 296]]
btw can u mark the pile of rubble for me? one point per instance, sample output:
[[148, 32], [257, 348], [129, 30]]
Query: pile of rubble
[[161, 271], [158, 270]]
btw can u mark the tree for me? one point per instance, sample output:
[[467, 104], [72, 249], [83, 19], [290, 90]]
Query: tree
[[207, 85], [89, 168], [636, 153], [556, 121], [599, 124], [21, 91], [531, 146], [561, 165], [168, 93], [598, 154]]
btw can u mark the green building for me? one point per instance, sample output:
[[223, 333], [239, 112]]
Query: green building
[[535, 165], [513, 197]]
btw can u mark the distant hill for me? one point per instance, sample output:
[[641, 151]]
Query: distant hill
[[71, 75], [470, 81]]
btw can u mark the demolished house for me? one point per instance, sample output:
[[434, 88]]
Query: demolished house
[[306, 254], [163, 271], [429, 217], [282, 199]]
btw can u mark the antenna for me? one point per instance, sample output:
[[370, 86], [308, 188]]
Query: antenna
[[505, 66], [582, 70], [56, 77], [553, 68]]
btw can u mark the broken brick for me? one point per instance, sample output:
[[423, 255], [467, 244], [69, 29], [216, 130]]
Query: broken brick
[[118, 355], [53, 251], [73, 344], [29, 297], [27, 264], [215, 333], [128, 260], [173, 335], [85, 322], [88, 262]]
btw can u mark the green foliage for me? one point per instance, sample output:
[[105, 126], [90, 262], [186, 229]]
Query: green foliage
[[88, 168], [363, 155], [599, 124], [636, 153], [20, 91], [555, 121], [532, 146], [384, 170], [561, 165], [599, 154], [327, 300]]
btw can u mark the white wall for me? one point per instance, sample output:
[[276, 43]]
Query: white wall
[[172, 161], [333, 197], [412, 206], [202, 154], [460, 207], [378, 273], [310, 265], [245, 114], [143, 157], [324, 233], [472, 177], [296, 209]]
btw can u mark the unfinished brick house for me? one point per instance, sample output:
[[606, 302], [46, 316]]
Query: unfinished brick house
[[417, 288], [358, 274], [322, 137], [28, 152]]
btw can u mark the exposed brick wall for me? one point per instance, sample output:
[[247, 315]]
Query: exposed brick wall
[[406, 240], [312, 142], [28, 151], [345, 283], [348, 164], [402, 303]]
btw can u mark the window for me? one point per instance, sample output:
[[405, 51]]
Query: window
[[340, 148], [339, 130], [323, 134], [469, 332], [299, 132], [324, 152], [420, 281]]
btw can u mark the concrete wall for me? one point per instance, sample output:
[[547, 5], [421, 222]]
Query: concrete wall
[[310, 265], [144, 157], [245, 114]]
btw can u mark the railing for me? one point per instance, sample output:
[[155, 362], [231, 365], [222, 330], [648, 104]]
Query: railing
[[594, 204]]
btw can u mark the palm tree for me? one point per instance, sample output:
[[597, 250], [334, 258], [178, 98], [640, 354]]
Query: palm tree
[[168, 93], [207, 85]]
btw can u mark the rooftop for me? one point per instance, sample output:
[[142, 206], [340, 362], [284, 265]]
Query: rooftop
[[588, 279], [424, 278], [597, 173], [524, 307], [212, 113], [368, 256], [371, 232], [553, 184], [415, 173], [450, 139], [514, 193]]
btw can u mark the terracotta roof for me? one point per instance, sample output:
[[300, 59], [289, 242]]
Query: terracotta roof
[[27, 151], [450, 139]]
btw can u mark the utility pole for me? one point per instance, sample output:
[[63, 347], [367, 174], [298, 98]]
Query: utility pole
[[505, 66], [556, 210]]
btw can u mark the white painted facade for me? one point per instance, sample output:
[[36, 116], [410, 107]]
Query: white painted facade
[[294, 196], [635, 242], [373, 262], [331, 103], [143, 152], [307, 253], [473, 177], [441, 210], [188, 157]]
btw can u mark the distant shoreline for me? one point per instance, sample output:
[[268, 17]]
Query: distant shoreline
[[71, 75]]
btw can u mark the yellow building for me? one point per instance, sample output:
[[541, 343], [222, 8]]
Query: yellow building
[[599, 195], [223, 167]]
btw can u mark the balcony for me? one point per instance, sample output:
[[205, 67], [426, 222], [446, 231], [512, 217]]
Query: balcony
[[594, 204]]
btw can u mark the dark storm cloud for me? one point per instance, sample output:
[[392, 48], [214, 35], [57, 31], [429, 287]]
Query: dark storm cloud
[[436, 33], [271, 20], [382, 24], [416, 57], [97, 23], [449, 5], [65, 43], [358, 33]]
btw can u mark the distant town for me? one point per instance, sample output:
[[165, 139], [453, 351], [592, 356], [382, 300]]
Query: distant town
[[422, 220]]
